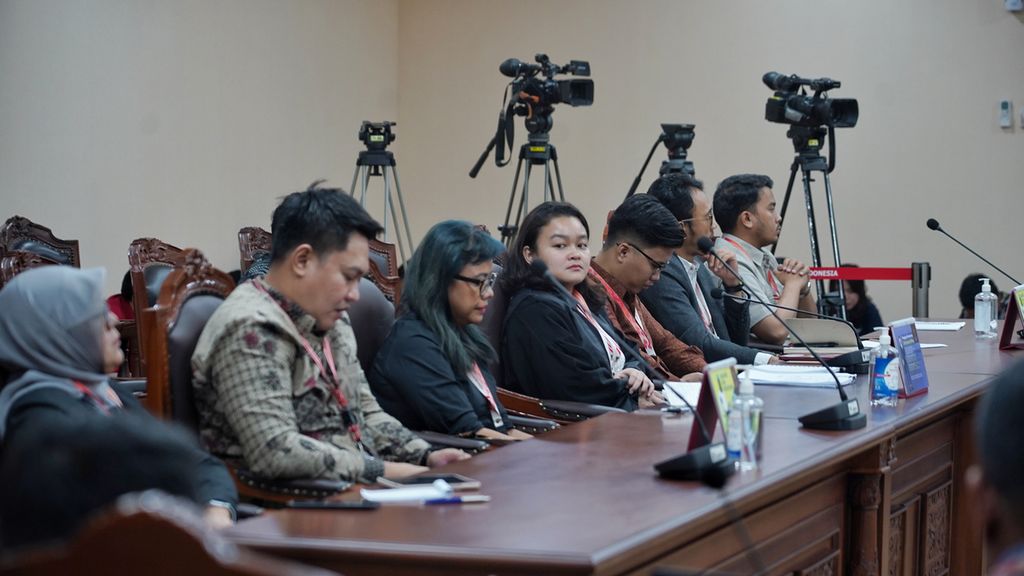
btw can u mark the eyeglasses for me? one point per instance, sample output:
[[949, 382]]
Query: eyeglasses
[[655, 265], [484, 284], [710, 217]]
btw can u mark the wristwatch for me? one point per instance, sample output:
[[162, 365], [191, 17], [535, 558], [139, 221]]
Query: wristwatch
[[733, 289], [806, 289]]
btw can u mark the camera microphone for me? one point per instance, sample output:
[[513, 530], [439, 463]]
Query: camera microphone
[[514, 67], [934, 225]]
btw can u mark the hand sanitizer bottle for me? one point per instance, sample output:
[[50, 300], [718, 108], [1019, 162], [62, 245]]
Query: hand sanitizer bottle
[[985, 307], [885, 374]]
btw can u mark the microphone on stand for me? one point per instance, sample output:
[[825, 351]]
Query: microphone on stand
[[845, 415], [857, 361], [933, 224]]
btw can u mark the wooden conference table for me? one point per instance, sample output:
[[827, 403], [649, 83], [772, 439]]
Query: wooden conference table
[[584, 499]]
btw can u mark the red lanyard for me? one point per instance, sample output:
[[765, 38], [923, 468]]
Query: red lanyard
[[481, 384], [769, 273], [330, 377], [112, 399], [611, 347], [645, 338]]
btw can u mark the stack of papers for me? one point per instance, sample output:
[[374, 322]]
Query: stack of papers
[[939, 326], [409, 494], [798, 376], [675, 391]]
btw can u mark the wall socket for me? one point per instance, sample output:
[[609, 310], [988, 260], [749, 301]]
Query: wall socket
[[1005, 114]]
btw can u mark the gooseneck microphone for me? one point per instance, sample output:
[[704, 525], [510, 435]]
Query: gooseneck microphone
[[845, 415], [933, 224]]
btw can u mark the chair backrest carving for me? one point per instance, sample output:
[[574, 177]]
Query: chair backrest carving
[[252, 241], [150, 260], [17, 261], [189, 296], [20, 233]]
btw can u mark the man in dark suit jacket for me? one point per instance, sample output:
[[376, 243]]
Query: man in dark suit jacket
[[718, 326]]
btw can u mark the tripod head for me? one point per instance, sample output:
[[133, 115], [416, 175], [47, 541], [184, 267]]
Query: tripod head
[[677, 139]]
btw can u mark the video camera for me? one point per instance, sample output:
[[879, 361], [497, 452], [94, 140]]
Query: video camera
[[533, 93], [786, 106], [547, 91], [376, 135]]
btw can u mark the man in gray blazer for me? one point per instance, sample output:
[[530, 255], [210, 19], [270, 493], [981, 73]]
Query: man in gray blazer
[[718, 326]]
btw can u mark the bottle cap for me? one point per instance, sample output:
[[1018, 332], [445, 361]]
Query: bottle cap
[[985, 286], [746, 385], [884, 339]]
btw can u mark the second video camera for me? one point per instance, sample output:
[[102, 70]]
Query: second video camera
[[787, 106]]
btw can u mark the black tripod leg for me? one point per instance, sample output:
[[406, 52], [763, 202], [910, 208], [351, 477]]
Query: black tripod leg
[[785, 200], [558, 178], [506, 233]]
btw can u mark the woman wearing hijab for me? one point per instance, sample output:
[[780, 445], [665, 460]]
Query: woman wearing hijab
[[57, 345]]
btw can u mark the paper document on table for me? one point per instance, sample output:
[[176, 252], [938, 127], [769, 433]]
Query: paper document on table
[[799, 376], [938, 326], [674, 390], [439, 489]]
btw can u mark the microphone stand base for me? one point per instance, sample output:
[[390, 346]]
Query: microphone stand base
[[698, 464], [843, 416]]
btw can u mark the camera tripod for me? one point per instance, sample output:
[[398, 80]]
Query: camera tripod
[[807, 142], [382, 163], [537, 150]]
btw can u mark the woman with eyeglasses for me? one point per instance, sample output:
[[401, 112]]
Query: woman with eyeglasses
[[431, 372], [58, 343], [557, 344]]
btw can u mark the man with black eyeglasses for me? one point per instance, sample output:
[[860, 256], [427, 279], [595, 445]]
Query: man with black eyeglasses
[[642, 237], [682, 300]]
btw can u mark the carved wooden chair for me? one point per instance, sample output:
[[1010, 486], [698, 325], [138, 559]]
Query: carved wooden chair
[[384, 270], [150, 533], [150, 261], [20, 233], [17, 261], [188, 297], [252, 242]]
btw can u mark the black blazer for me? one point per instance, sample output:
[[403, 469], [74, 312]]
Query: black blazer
[[39, 407], [550, 351], [415, 382], [672, 301]]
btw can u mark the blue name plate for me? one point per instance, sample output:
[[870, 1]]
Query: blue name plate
[[915, 376]]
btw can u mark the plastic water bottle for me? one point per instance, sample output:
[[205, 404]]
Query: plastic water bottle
[[985, 306], [745, 414], [886, 379]]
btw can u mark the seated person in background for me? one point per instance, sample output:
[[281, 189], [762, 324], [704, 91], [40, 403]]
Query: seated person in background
[[558, 348], [121, 303], [860, 310], [682, 300], [57, 343], [642, 236], [994, 484], [277, 381], [431, 372], [744, 206], [56, 475], [970, 288]]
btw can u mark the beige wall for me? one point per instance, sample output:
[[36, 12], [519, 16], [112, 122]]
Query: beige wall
[[183, 120], [928, 75], [186, 120]]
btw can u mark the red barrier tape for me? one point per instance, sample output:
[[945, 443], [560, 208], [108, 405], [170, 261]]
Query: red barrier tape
[[846, 273]]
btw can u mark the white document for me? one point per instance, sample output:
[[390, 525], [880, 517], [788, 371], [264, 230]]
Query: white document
[[688, 390], [439, 489], [938, 326], [799, 376]]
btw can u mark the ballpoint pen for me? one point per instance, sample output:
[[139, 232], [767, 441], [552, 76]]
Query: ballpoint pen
[[468, 499]]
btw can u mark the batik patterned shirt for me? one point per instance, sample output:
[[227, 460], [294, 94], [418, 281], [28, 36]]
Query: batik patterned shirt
[[263, 402]]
